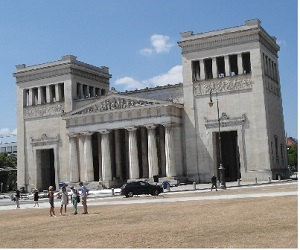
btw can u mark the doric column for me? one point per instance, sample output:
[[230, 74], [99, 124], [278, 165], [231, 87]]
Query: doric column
[[133, 154], [169, 149], [118, 154], [240, 64], [214, 67], [73, 159], [145, 165], [106, 158], [88, 157], [227, 65], [152, 151], [202, 71]]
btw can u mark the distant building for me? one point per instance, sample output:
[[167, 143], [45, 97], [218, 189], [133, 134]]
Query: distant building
[[290, 141], [72, 127], [10, 148]]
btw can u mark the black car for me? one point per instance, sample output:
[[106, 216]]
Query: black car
[[140, 187]]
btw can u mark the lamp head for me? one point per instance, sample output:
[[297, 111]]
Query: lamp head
[[210, 103]]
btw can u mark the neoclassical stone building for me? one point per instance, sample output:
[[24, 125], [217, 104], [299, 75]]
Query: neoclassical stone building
[[73, 127]]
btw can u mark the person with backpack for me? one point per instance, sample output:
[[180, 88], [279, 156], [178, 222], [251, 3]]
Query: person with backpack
[[75, 199]]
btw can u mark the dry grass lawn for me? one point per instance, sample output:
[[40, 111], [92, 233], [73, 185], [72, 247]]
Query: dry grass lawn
[[238, 223]]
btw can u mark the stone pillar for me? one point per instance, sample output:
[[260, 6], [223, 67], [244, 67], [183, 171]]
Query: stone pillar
[[227, 65], [73, 159], [99, 156], [162, 150], [81, 157], [30, 103], [81, 95], [48, 94], [214, 67], [202, 71], [169, 149], [106, 158], [88, 157], [240, 64], [58, 93], [39, 101], [118, 154], [133, 154], [145, 165], [152, 151]]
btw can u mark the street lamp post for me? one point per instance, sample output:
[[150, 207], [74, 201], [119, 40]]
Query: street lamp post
[[221, 168]]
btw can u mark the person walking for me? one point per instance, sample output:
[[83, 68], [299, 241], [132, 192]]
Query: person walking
[[213, 183], [36, 198], [84, 194], [74, 197], [18, 195], [64, 200], [51, 201]]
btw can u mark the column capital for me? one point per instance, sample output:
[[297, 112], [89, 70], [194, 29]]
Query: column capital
[[131, 129], [73, 135], [104, 131], [87, 133], [150, 126], [168, 124]]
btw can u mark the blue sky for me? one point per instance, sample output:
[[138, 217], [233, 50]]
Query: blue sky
[[136, 39]]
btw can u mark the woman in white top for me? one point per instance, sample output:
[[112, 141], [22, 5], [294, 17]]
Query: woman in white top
[[64, 200]]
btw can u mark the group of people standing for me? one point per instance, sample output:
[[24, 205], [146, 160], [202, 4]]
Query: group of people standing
[[75, 199]]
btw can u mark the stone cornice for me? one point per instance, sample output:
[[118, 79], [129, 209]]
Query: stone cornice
[[226, 84], [59, 70], [44, 140], [233, 38], [225, 121]]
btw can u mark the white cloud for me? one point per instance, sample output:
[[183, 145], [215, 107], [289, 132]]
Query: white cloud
[[281, 43], [128, 83], [159, 43], [6, 132], [173, 76]]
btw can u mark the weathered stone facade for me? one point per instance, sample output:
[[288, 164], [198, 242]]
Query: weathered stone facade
[[71, 128]]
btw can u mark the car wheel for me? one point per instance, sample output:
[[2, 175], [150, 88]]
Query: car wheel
[[130, 194], [156, 192]]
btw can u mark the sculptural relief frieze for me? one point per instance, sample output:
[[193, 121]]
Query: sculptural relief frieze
[[37, 111], [114, 104], [222, 85]]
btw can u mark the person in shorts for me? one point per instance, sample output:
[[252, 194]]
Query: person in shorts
[[36, 197]]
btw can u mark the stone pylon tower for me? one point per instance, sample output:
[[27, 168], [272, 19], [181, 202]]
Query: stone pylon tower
[[236, 68]]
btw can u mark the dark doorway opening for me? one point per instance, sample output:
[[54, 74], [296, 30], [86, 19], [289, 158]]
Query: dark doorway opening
[[47, 168], [230, 155]]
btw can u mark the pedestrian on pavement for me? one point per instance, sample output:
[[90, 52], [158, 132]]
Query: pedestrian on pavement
[[18, 195], [64, 200], [213, 183], [51, 201], [84, 194], [74, 197], [36, 198]]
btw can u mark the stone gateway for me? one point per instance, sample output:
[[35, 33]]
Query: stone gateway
[[73, 127]]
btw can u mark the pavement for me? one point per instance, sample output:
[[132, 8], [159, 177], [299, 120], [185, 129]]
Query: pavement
[[113, 197]]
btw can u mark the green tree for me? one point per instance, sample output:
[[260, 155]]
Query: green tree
[[8, 175], [293, 156]]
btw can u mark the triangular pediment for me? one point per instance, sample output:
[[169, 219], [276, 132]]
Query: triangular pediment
[[116, 102]]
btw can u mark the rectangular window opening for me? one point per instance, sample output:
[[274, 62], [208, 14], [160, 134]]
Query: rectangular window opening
[[233, 65], [208, 68], [221, 66], [246, 63], [196, 70]]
